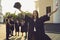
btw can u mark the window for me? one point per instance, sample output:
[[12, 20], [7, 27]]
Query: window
[[48, 9]]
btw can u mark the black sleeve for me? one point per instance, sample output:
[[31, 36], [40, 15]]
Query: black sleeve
[[45, 18]]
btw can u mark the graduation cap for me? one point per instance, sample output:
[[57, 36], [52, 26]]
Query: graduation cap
[[17, 5]]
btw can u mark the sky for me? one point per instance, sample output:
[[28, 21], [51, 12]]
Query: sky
[[27, 5]]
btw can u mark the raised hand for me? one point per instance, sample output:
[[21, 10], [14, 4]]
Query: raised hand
[[54, 10]]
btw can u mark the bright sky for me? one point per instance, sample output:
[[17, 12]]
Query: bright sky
[[27, 5]]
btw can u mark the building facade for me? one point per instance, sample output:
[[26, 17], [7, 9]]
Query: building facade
[[41, 6], [1, 15], [56, 18]]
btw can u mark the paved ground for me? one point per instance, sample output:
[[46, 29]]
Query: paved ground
[[2, 31], [53, 36]]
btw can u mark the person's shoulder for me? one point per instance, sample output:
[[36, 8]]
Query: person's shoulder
[[42, 17]]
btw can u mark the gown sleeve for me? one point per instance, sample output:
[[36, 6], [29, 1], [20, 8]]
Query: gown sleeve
[[45, 18]]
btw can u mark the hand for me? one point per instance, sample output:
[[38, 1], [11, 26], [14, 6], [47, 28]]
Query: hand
[[57, 5], [53, 11]]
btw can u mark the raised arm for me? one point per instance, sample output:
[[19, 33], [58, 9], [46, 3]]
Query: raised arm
[[53, 12]]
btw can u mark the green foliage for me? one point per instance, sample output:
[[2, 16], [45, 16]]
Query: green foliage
[[19, 16], [6, 15]]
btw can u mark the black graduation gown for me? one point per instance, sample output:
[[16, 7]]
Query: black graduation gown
[[30, 28], [12, 25], [17, 26], [7, 29], [7, 26], [40, 32], [24, 28], [30, 23]]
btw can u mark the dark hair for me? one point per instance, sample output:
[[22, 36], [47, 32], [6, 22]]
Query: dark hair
[[36, 13]]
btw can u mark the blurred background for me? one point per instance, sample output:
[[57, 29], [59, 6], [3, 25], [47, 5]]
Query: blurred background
[[43, 6], [52, 27]]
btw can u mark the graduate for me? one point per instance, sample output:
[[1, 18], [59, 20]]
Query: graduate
[[39, 25], [17, 24], [24, 27], [7, 28], [23, 22]]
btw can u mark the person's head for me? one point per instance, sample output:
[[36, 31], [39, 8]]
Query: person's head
[[35, 14]]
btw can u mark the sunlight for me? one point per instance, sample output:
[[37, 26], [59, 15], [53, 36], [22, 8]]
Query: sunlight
[[27, 5]]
